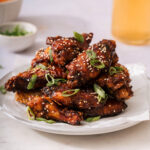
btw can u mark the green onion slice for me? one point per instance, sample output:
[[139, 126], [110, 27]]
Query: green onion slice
[[32, 82], [102, 96], [41, 66], [30, 113], [1, 67], [73, 92], [114, 70], [53, 81], [91, 54], [50, 55], [93, 61], [79, 37], [91, 119], [45, 120], [97, 64], [3, 90]]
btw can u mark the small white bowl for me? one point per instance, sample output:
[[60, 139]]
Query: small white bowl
[[17, 43], [9, 10]]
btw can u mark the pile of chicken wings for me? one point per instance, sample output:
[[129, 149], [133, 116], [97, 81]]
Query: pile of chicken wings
[[71, 80]]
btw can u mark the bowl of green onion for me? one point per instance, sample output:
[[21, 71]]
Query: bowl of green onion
[[17, 36]]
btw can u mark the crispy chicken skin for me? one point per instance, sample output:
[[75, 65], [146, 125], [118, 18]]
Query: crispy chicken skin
[[118, 84], [63, 49], [20, 82], [80, 69], [44, 107], [42, 57], [111, 108], [25, 97], [83, 100]]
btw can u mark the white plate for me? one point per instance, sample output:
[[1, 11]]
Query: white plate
[[136, 112]]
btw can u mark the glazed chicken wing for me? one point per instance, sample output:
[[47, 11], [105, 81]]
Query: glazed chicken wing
[[117, 84], [44, 107], [21, 81], [83, 68], [62, 49], [82, 100], [111, 108]]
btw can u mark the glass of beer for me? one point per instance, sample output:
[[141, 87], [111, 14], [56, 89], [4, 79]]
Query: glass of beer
[[131, 21]]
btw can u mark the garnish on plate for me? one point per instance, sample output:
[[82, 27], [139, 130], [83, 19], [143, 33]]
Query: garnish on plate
[[91, 119], [53, 81], [50, 55], [45, 120], [79, 37], [102, 96], [32, 82], [114, 70], [30, 113], [41, 66], [17, 31], [1, 67], [70, 92], [93, 61], [3, 90]]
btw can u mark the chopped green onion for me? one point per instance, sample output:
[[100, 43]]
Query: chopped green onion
[[41, 66], [1, 66], [79, 37], [45, 120], [74, 91], [67, 71], [17, 31], [32, 82], [50, 121], [50, 55], [59, 80], [30, 113], [53, 81], [114, 70], [3, 90], [93, 61], [91, 119], [102, 96], [97, 64], [91, 54], [50, 83]]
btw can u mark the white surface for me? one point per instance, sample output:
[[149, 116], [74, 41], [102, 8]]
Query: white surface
[[9, 10], [17, 43], [65, 16], [126, 119]]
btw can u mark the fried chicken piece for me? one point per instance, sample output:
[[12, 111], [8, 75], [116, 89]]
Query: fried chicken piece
[[83, 100], [42, 57], [21, 81], [25, 97], [44, 107], [123, 93], [81, 70], [63, 49], [111, 108], [118, 84]]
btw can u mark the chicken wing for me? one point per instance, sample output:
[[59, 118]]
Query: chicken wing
[[25, 97], [21, 81], [83, 100], [117, 84], [63, 50], [44, 107], [81, 70], [111, 108]]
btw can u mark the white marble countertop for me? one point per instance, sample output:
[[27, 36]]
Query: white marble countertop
[[54, 17]]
